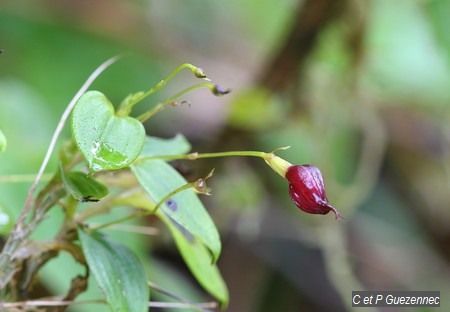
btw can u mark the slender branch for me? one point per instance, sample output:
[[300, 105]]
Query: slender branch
[[176, 297], [118, 221], [147, 115], [21, 178], [47, 303], [195, 156], [154, 304], [60, 244], [165, 291], [130, 228], [179, 305], [198, 72]]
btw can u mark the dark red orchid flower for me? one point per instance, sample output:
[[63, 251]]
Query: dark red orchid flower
[[307, 190], [305, 184]]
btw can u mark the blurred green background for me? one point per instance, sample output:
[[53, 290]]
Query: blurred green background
[[361, 89]]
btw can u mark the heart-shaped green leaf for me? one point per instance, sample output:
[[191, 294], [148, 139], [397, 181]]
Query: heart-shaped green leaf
[[118, 272], [107, 141]]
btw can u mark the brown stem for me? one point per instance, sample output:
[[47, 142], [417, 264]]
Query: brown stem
[[47, 198]]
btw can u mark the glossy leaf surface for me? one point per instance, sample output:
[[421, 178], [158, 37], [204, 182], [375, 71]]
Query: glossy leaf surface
[[159, 179], [107, 141], [118, 273]]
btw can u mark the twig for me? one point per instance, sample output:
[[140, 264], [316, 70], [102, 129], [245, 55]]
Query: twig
[[154, 304], [146, 230], [47, 303], [179, 305], [21, 178], [176, 297]]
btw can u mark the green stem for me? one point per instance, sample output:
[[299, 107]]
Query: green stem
[[104, 206], [279, 165], [194, 156], [147, 115], [163, 82], [144, 213], [174, 296], [22, 178], [168, 196], [129, 217]]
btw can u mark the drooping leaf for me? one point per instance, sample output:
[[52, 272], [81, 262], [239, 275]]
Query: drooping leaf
[[159, 179], [198, 260], [118, 272], [154, 146], [82, 187], [107, 141], [2, 142]]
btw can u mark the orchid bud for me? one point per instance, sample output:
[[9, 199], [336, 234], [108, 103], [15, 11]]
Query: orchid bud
[[218, 90], [307, 190], [199, 73], [200, 185]]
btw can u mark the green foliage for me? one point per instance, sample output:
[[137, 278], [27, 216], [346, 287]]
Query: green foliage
[[159, 179], [379, 60], [198, 259], [107, 141], [117, 271], [82, 187]]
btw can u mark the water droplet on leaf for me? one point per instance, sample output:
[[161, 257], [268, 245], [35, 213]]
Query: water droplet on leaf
[[104, 157]]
